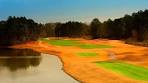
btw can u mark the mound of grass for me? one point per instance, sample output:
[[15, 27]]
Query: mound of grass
[[87, 54], [129, 70], [92, 46]]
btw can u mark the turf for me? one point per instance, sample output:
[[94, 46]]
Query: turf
[[74, 43], [92, 46], [61, 42], [129, 70], [87, 54]]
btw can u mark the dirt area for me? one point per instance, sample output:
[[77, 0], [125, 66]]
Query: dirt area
[[82, 68]]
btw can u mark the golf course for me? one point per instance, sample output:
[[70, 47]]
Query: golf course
[[74, 41], [96, 61]]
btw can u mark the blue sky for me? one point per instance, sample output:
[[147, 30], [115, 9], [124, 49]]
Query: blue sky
[[65, 10]]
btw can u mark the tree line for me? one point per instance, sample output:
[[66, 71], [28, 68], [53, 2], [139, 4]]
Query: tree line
[[17, 30], [133, 27]]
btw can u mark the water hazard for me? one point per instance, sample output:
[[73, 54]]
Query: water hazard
[[28, 66]]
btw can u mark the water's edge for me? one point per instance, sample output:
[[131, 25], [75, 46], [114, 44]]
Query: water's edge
[[63, 66]]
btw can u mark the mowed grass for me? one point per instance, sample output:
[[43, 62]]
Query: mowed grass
[[74, 43], [87, 54], [92, 46], [129, 70], [61, 42]]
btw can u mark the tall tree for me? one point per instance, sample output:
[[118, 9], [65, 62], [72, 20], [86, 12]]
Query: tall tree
[[95, 25]]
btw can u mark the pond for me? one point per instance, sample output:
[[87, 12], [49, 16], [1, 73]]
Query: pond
[[28, 66]]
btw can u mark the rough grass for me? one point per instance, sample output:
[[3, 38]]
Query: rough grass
[[87, 54], [74, 43], [132, 71]]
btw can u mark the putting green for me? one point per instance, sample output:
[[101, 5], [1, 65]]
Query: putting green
[[129, 70], [87, 54], [74, 43]]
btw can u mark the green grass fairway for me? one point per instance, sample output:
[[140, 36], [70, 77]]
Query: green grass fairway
[[129, 70], [74, 43], [87, 54], [92, 46], [61, 42]]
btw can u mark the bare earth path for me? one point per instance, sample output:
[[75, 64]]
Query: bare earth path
[[82, 68]]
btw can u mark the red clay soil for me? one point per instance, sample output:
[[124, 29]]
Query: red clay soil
[[82, 68]]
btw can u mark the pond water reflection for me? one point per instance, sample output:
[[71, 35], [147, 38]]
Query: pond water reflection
[[28, 66], [14, 59]]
